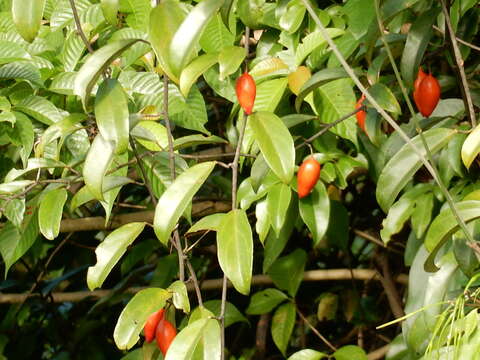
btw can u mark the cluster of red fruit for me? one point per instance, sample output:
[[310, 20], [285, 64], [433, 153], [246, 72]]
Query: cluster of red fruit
[[309, 172], [426, 94], [161, 329]]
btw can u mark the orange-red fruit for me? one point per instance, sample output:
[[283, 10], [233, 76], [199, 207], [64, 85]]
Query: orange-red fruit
[[361, 115], [420, 76], [307, 176], [428, 95], [165, 334], [246, 91], [151, 325]]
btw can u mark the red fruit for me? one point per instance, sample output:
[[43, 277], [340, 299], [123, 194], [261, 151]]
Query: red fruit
[[151, 325], [307, 176], [246, 91], [165, 334], [361, 115], [420, 76], [428, 95]]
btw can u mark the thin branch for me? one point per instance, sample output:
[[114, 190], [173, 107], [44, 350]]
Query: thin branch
[[79, 27], [213, 156], [315, 331], [214, 284], [389, 287], [458, 59], [461, 41], [379, 353], [369, 237], [195, 283]]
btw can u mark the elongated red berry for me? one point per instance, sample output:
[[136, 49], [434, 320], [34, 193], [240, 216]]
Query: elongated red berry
[[246, 91], [420, 76], [361, 115], [307, 176], [165, 334], [428, 95], [151, 325]]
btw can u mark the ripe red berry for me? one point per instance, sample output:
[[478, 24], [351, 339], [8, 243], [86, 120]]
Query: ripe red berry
[[361, 115], [151, 325], [165, 334], [307, 176], [428, 95], [246, 91], [420, 76]]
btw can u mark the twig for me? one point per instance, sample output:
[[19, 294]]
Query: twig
[[461, 41], [389, 287], [328, 127], [261, 336], [315, 331], [79, 27], [213, 156], [195, 283], [467, 98], [379, 353], [369, 237], [215, 284], [142, 169]]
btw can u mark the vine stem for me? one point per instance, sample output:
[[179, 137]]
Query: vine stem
[[234, 167], [435, 172], [458, 59], [79, 27], [387, 117]]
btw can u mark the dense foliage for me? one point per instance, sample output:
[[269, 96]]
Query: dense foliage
[[131, 179]]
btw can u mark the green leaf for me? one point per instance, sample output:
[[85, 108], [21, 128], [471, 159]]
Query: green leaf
[[293, 16], [313, 41], [216, 36], [40, 109], [111, 113], [182, 46], [195, 140], [14, 186], [278, 200], [235, 249], [110, 250], [63, 83], [22, 71], [110, 9], [96, 165], [265, 301], [307, 354], [334, 100], [73, 49], [360, 15], [445, 224], [177, 197], [96, 64], [232, 314], [194, 114], [269, 94], [25, 131], [10, 51], [471, 147], [152, 135], [283, 321], [385, 98], [180, 296], [138, 13], [192, 71], [417, 41], [210, 222], [422, 214], [315, 211], [287, 271], [33, 164], [230, 59], [50, 212], [278, 150], [350, 352], [263, 222], [134, 316], [27, 15], [184, 344], [405, 163], [15, 211]]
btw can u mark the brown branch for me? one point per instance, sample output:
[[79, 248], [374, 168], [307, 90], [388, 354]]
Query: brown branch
[[315, 331], [389, 287], [79, 27], [215, 284], [379, 353], [261, 336], [461, 41]]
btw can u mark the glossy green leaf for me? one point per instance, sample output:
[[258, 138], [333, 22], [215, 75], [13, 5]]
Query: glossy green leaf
[[15, 211], [97, 63], [263, 220], [471, 147], [110, 9], [22, 71], [315, 211], [287, 271], [182, 46], [210, 222], [184, 344], [417, 40], [230, 59], [40, 109], [269, 66], [278, 150], [195, 140], [72, 51], [405, 163], [110, 250], [350, 352], [134, 316], [313, 41], [307, 354], [385, 98], [33, 164], [177, 197], [444, 225], [216, 36], [235, 249], [265, 301], [96, 165], [50, 212], [194, 70], [180, 296], [152, 135], [27, 15], [14, 186], [318, 79], [112, 115], [293, 16], [11, 51], [194, 113], [232, 314], [278, 200], [283, 321], [57, 130], [422, 214]]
